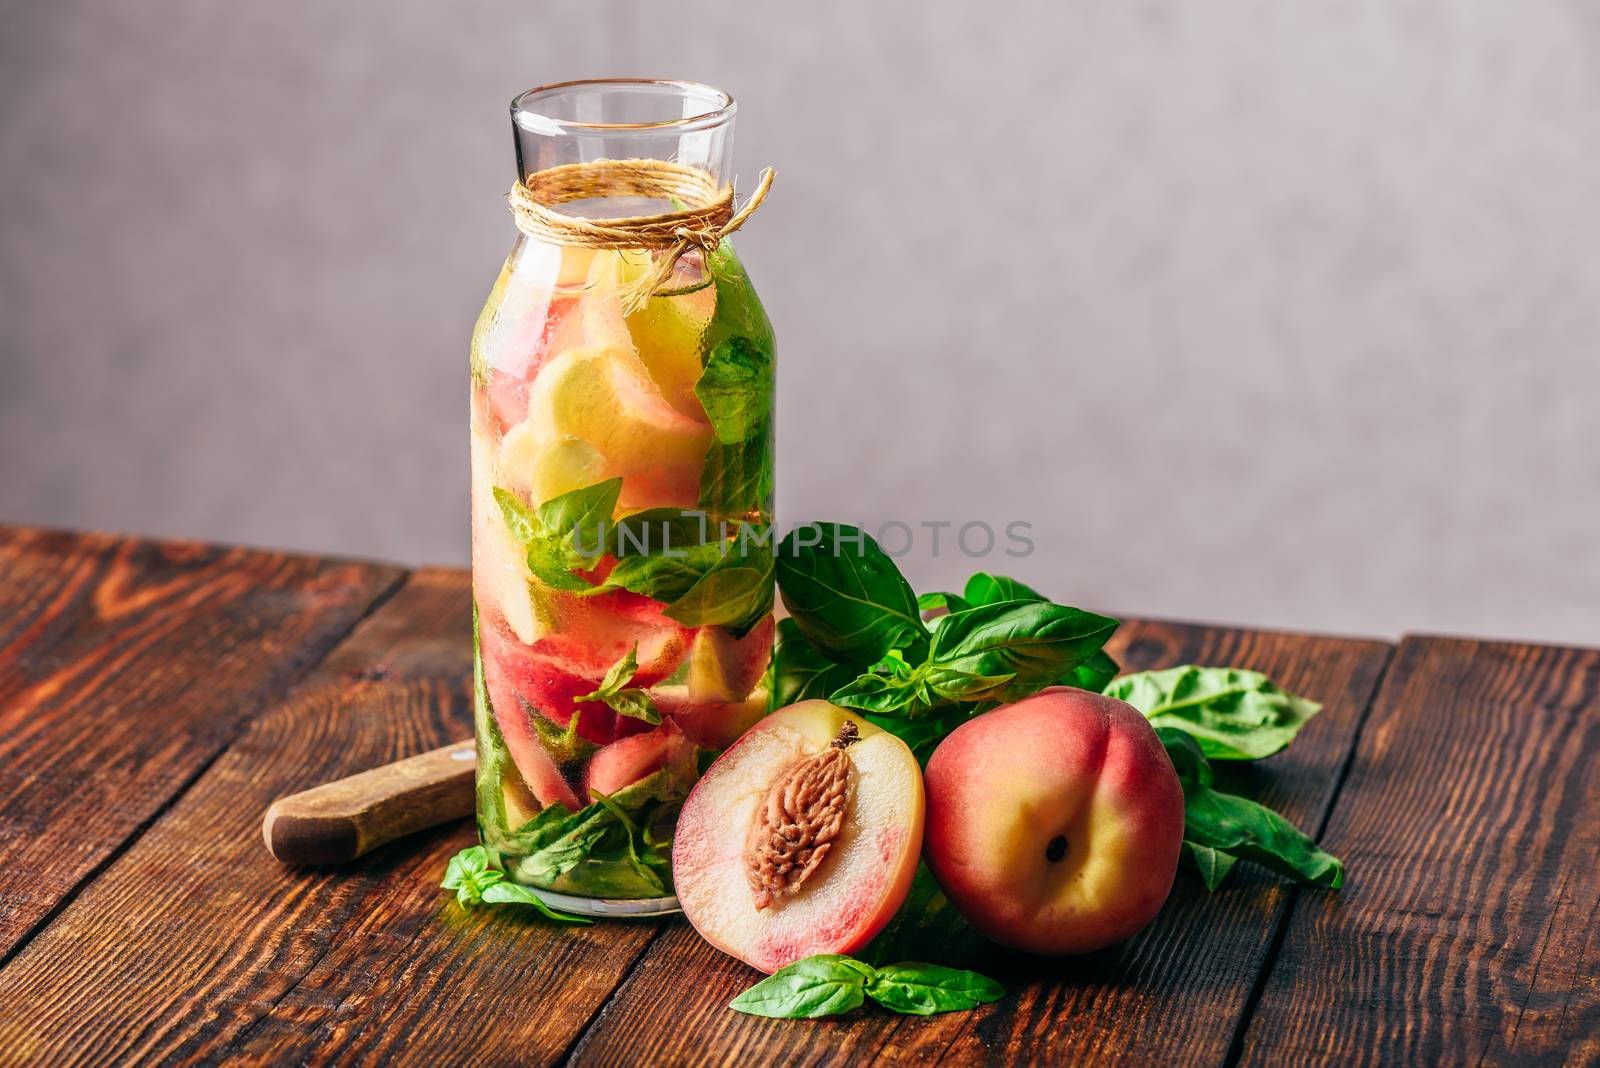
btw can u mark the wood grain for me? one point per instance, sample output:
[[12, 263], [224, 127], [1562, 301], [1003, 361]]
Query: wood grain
[[125, 667], [197, 946], [1469, 931], [1176, 994]]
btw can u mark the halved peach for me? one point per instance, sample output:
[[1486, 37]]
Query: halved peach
[[770, 898]]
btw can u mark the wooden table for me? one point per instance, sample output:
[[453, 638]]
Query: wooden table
[[154, 697]]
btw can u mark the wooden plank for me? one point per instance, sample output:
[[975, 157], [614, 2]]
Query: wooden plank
[[1469, 930], [1176, 994], [125, 667], [197, 946]]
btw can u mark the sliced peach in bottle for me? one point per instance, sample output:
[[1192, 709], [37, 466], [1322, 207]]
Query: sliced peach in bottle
[[668, 332], [801, 839], [625, 762], [501, 582], [723, 667], [603, 396], [710, 724]]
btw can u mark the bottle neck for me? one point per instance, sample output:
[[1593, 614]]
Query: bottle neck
[[584, 121]]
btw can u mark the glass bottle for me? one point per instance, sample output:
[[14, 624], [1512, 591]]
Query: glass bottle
[[609, 669]]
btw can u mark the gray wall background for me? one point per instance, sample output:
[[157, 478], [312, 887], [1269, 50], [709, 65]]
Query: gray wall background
[[1272, 312]]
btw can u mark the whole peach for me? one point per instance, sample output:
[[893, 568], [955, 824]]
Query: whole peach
[[1054, 824]]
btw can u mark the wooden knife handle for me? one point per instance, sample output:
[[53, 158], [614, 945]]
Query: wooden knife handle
[[338, 821]]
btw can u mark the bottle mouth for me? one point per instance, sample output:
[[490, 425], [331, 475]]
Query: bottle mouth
[[613, 105]]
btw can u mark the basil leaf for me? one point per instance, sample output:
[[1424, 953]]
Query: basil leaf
[[1239, 827], [1037, 641], [953, 684], [504, 893], [1094, 674], [553, 565], [491, 746], [949, 602], [617, 676], [807, 989], [738, 313], [469, 874], [800, 673], [1213, 864], [736, 480], [1233, 714], [635, 704], [568, 843], [556, 848], [1188, 760], [1250, 831], [663, 578], [903, 692], [549, 533], [924, 733], [540, 829], [660, 532], [907, 691], [582, 511], [635, 851], [735, 389], [614, 691], [847, 596], [736, 392], [736, 592], [984, 588], [522, 523], [924, 989]]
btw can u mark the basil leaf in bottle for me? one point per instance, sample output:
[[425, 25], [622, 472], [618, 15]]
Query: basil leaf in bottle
[[735, 592], [618, 696], [735, 390]]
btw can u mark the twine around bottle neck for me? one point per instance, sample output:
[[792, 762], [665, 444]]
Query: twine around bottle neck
[[705, 219]]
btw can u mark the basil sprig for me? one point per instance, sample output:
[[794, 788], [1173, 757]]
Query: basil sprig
[[707, 574], [621, 698], [828, 984], [622, 842], [475, 882], [551, 533], [1220, 828]]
